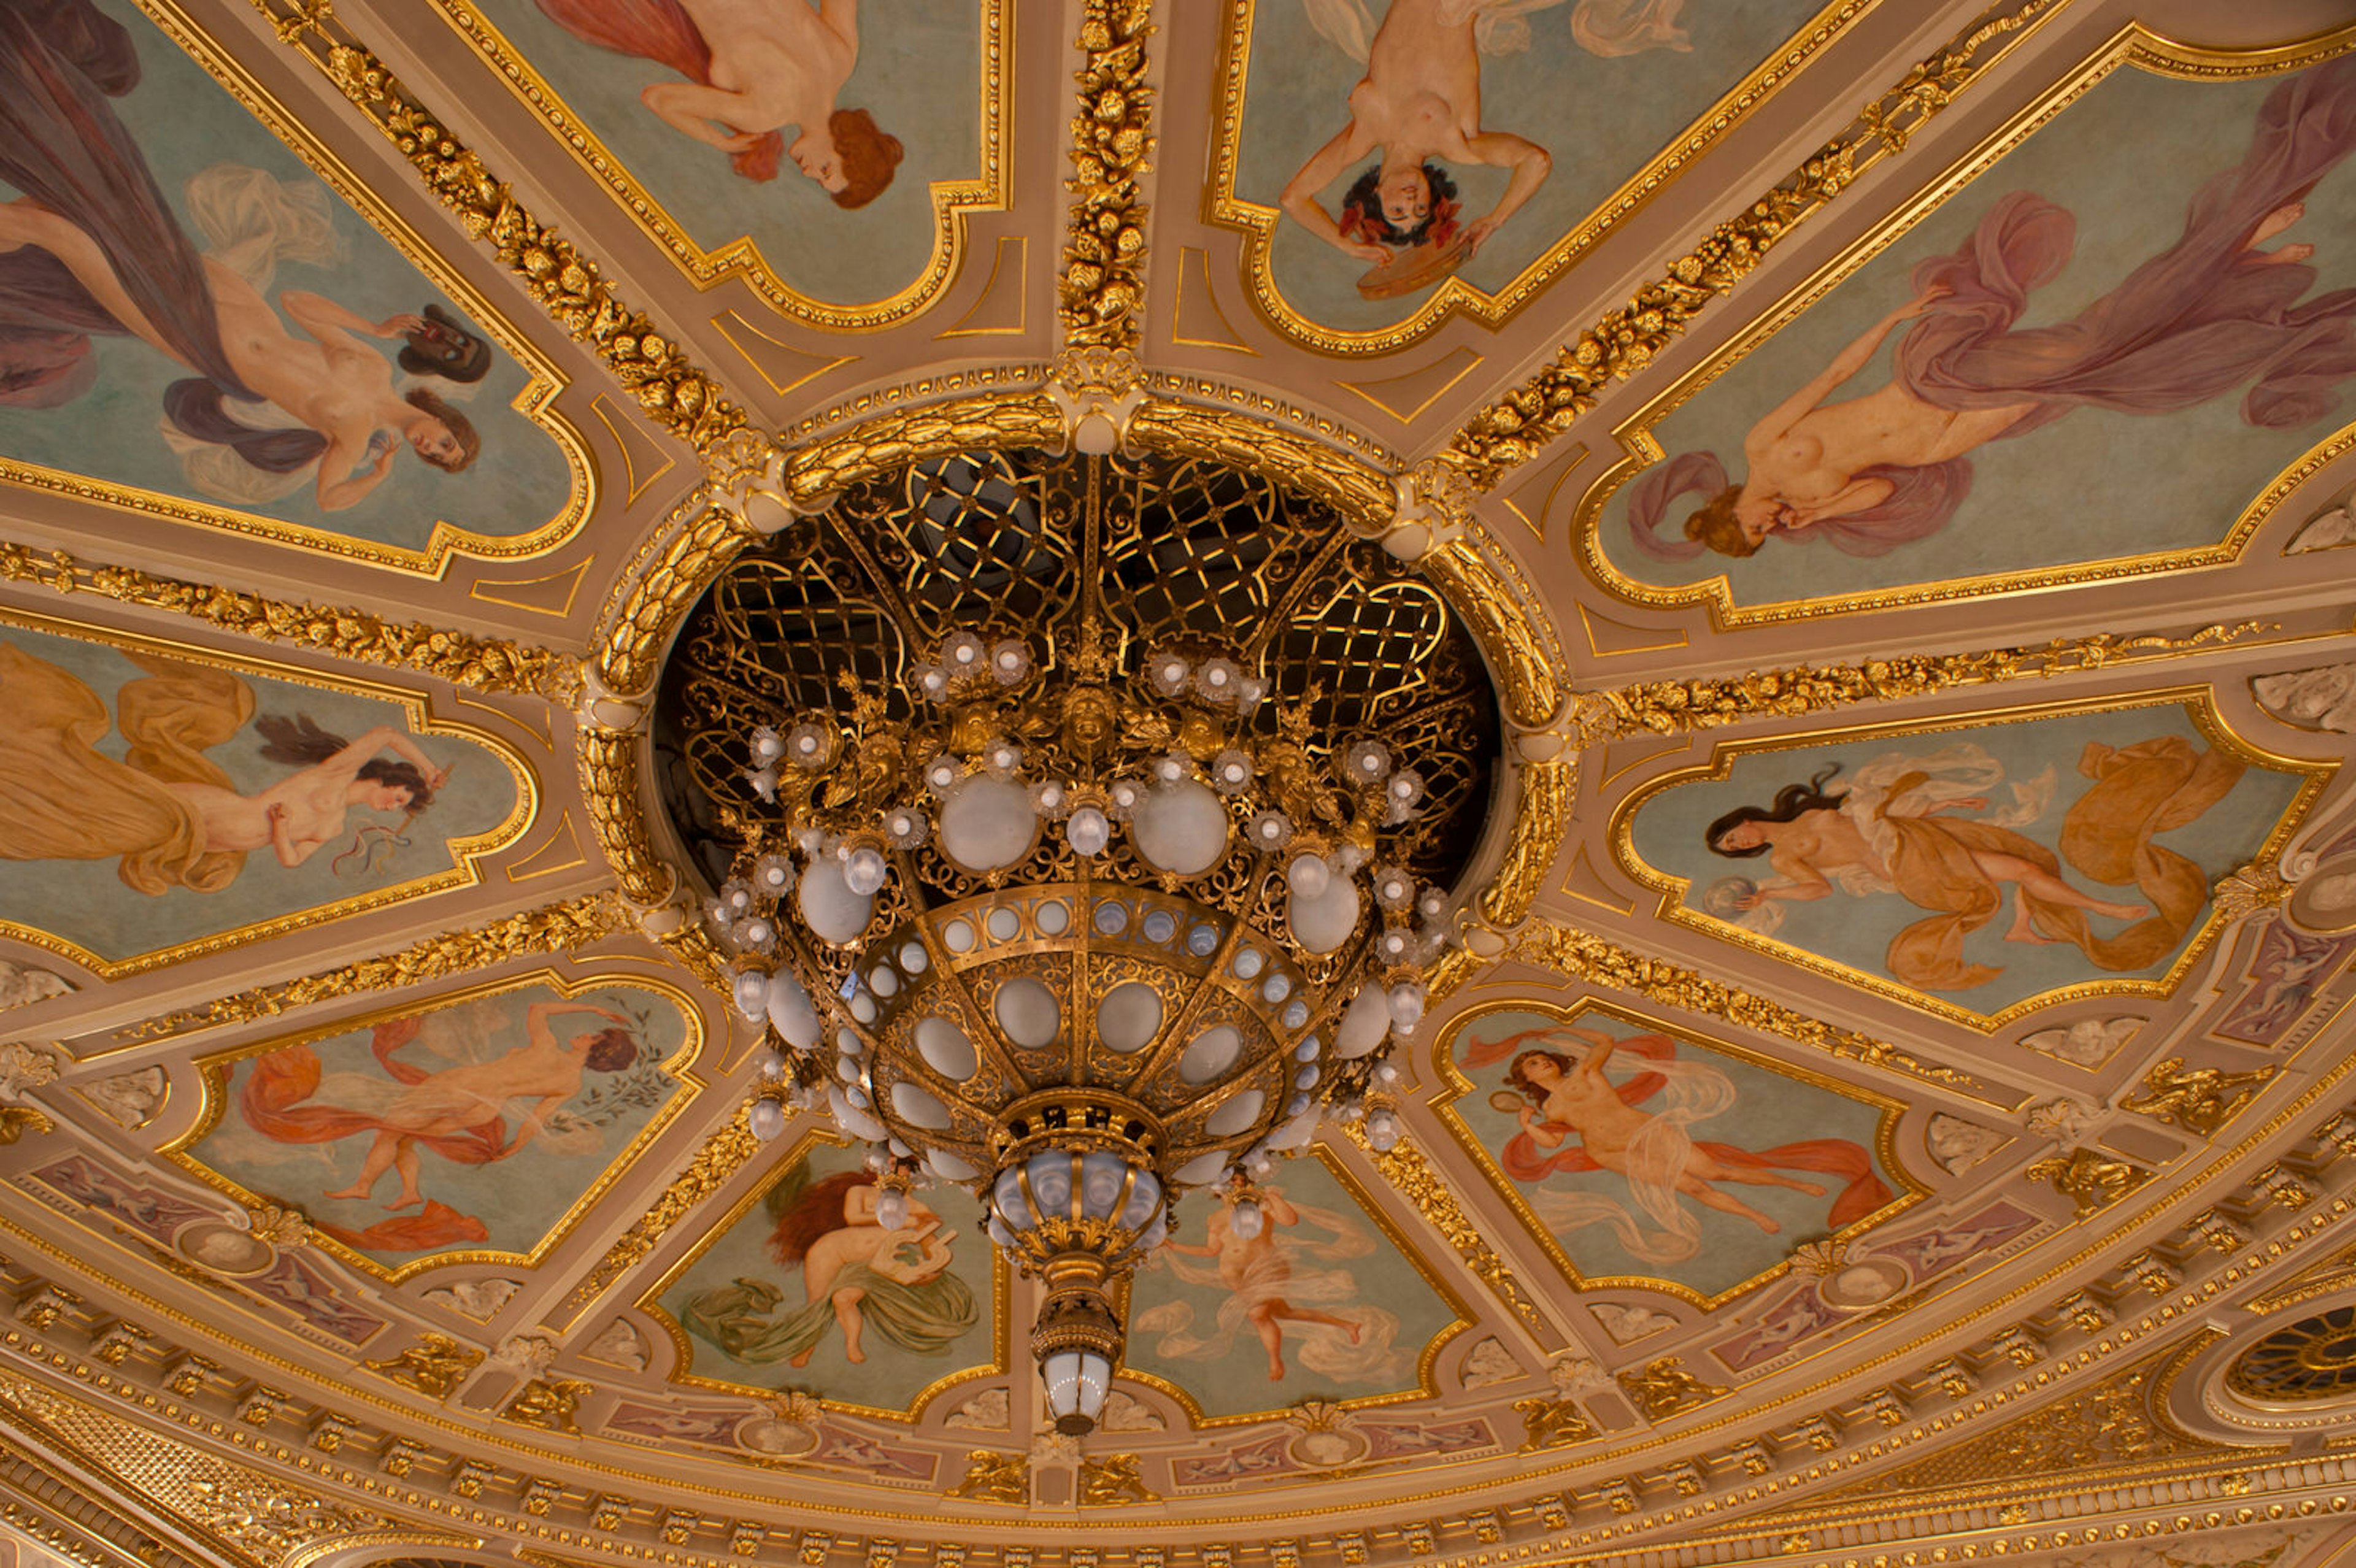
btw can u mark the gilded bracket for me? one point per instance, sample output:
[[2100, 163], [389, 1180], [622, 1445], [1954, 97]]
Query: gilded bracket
[[488, 664]]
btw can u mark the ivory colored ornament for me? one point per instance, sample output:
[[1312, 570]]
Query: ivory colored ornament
[[855, 1121], [1363, 1023], [1322, 921], [1180, 828], [987, 824], [790, 1011], [750, 987], [828, 904]]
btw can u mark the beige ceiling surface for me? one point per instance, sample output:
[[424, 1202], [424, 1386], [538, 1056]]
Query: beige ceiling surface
[[1885, 1104]]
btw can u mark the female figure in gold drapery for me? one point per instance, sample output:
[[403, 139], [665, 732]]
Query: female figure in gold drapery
[[1899, 834], [170, 812]]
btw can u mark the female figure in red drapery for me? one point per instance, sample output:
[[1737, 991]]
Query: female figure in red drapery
[[753, 68], [1577, 1119], [458, 1113], [2212, 313]]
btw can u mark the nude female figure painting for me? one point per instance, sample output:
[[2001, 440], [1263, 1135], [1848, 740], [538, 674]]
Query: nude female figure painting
[[1989, 867], [754, 68], [857, 1275], [1316, 1299], [1387, 146], [92, 247], [1418, 107], [491, 1116], [159, 247], [202, 800], [2230, 310], [1644, 1155]]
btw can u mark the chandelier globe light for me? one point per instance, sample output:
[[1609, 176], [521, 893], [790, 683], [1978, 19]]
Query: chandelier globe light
[[1076, 919]]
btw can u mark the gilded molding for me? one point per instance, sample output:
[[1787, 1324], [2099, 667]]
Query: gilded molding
[[2090, 1182], [488, 664], [257, 1517], [566, 283], [721, 1156], [1683, 707], [1512, 430], [552, 928], [1104, 244], [1416, 1179], [1582, 955], [1540, 824], [1528, 667]]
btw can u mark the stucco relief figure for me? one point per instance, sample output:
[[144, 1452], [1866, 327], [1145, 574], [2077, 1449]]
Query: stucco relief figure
[[457, 1113], [2218, 312], [1903, 824], [1269, 1289], [1417, 111], [857, 1274], [754, 70], [1575, 1116], [168, 812], [92, 247]]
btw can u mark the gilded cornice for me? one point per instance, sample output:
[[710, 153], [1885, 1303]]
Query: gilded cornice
[[1684, 707], [490, 665], [1512, 430], [1104, 244], [567, 284], [1582, 955], [552, 928]]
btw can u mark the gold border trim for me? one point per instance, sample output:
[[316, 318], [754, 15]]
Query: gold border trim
[[536, 402], [213, 1073], [2196, 702], [2131, 46], [467, 854], [1256, 223], [1002, 1286], [952, 199], [1443, 1105]]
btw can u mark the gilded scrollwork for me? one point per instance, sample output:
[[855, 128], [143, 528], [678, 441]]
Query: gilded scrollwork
[[552, 928], [434, 1366], [1683, 707], [2091, 1181], [1583, 955], [2201, 1100], [1512, 430], [992, 1477], [566, 283], [488, 664], [1414, 1177], [1111, 1480], [1552, 1423], [1663, 1386], [1104, 245], [722, 1156]]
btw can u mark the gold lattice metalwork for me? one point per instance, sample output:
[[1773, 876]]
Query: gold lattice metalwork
[[2311, 1361]]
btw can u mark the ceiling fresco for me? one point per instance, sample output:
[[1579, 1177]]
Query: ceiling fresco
[[1884, 1100]]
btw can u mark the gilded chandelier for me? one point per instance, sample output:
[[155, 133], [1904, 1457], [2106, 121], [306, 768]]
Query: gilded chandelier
[[1082, 828]]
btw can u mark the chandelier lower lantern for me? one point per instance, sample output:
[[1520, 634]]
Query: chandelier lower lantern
[[1076, 923]]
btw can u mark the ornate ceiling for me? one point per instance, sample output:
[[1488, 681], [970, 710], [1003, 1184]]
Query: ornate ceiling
[[1886, 1103]]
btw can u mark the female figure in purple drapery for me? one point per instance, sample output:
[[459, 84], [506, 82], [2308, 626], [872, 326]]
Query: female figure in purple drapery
[[753, 68], [92, 247], [2214, 313]]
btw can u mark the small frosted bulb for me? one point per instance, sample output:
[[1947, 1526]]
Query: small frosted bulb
[[752, 989], [1308, 875], [1088, 831], [770, 1062], [767, 1119], [1245, 1220], [1406, 1006], [1383, 1132], [891, 1208], [863, 872]]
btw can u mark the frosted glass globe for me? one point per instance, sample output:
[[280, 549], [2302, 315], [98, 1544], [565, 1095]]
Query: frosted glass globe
[[790, 1011], [1088, 831], [828, 905], [1180, 828], [1363, 1023], [987, 823], [1323, 921]]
